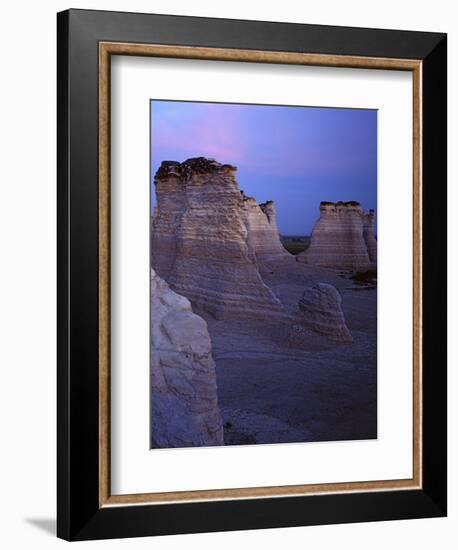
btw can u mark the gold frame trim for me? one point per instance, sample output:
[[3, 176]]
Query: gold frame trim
[[106, 50]]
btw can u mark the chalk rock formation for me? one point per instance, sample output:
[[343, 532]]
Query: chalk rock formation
[[322, 312], [200, 240], [261, 223], [338, 239], [184, 404], [369, 237]]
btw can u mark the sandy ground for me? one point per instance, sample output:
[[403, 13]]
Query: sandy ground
[[282, 383]]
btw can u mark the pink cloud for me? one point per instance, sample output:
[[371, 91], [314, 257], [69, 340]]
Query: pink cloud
[[208, 132]]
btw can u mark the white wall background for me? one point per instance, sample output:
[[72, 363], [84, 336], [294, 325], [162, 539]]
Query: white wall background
[[27, 274]]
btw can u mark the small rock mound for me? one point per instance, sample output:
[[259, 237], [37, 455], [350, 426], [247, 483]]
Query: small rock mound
[[184, 404], [322, 312]]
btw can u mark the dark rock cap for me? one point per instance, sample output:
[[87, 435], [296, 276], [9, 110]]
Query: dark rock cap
[[196, 165], [340, 203]]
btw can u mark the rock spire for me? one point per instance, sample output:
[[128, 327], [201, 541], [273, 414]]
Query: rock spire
[[342, 238], [206, 239]]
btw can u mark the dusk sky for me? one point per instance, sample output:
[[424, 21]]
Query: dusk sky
[[295, 156]]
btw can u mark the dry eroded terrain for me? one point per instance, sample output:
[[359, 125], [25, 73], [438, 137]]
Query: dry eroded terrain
[[278, 383]]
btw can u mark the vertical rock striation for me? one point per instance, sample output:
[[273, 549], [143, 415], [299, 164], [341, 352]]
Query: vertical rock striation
[[184, 404], [167, 216], [200, 240], [322, 312], [339, 238]]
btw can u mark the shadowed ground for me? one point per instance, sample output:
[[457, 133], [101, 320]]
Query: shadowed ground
[[282, 383]]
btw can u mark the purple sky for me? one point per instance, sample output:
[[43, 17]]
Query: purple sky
[[295, 156]]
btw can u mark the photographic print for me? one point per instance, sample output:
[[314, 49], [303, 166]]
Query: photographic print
[[263, 274], [229, 354]]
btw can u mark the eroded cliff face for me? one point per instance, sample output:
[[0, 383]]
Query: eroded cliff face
[[184, 403], [205, 240], [369, 237], [261, 224], [340, 236]]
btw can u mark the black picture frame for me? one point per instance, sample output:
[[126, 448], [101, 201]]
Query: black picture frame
[[80, 516]]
